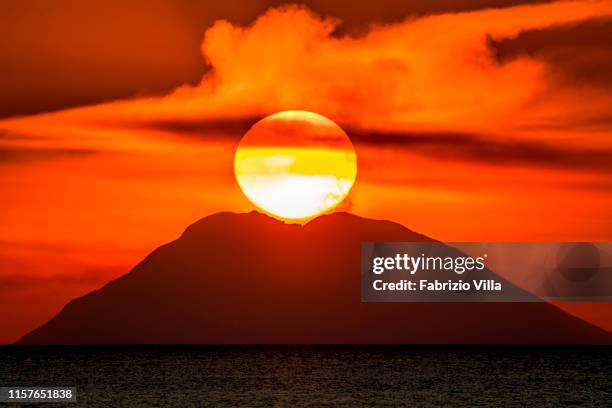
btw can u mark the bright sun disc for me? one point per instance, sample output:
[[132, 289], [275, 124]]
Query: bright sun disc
[[295, 165]]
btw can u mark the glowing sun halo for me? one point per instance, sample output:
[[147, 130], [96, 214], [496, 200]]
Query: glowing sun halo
[[295, 165]]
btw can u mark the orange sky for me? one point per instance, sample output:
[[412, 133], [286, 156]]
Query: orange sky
[[452, 141]]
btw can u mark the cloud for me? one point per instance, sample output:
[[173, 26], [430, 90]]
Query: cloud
[[11, 282], [492, 86], [452, 146], [234, 127], [12, 154], [440, 72], [435, 71], [493, 151], [581, 54], [31, 265]]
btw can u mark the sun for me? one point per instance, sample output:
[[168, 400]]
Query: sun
[[295, 165]]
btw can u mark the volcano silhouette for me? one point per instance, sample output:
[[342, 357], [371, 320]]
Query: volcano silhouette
[[248, 278]]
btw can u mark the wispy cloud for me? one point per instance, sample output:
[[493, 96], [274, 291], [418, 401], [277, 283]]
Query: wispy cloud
[[10, 154], [21, 281], [493, 150]]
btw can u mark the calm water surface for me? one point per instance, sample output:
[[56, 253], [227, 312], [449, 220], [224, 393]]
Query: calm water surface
[[150, 376]]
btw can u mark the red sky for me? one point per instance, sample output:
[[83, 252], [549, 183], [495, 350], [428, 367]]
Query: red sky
[[469, 124]]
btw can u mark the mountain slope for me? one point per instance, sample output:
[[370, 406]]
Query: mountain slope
[[247, 278]]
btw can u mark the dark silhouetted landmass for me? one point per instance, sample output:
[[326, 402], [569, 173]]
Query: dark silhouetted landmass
[[247, 278]]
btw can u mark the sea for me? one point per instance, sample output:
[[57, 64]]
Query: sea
[[316, 376]]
